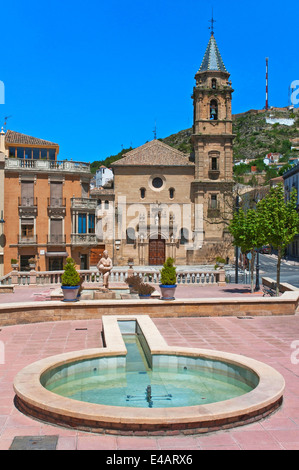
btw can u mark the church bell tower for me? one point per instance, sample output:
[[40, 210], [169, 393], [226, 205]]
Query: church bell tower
[[213, 149]]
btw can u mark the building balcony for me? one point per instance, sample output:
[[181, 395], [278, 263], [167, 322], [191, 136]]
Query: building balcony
[[84, 239], [214, 211], [27, 206], [47, 166], [56, 205], [214, 174], [56, 240], [83, 203], [28, 240]]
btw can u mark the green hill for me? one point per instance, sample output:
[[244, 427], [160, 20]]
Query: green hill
[[255, 138]]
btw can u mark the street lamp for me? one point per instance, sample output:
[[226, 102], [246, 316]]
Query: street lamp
[[257, 282], [237, 248]]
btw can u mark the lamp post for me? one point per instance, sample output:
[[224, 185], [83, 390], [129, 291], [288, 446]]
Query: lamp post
[[257, 282], [237, 248]]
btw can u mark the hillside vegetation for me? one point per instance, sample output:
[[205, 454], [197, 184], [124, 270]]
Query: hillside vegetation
[[254, 138]]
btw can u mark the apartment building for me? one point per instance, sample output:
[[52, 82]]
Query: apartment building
[[48, 212]]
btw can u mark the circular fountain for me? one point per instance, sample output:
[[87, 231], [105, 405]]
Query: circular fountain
[[138, 383]]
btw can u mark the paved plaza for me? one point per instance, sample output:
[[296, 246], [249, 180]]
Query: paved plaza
[[269, 339]]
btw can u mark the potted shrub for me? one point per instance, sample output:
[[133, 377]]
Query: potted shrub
[[14, 263], [70, 281], [145, 290], [32, 262], [168, 280], [133, 283], [131, 262]]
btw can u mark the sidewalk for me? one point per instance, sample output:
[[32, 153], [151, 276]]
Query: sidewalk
[[183, 291]]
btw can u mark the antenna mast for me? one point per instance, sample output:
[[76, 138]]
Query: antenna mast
[[267, 84]]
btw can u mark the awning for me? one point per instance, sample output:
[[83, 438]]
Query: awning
[[57, 254]]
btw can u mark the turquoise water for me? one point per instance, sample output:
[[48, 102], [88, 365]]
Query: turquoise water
[[137, 385]]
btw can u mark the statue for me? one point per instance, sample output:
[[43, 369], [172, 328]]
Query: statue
[[105, 266]]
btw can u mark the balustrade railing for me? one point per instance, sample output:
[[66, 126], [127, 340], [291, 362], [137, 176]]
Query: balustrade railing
[[118, 275]]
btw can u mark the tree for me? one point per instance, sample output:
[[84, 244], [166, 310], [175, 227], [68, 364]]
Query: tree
[[246, 230], [279, 221]]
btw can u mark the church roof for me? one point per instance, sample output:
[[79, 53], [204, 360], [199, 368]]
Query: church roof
[[154, 153], [212, 59], [13, 137]]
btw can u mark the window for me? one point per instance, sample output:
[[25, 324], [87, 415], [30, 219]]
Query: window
[[82, 223], [28, 154], [12, 152], [184, 236], [214, 164], [214, 201], [35, 154], [142, 193], [214, 83], [44, 154], [52, 154], [171, 193], [157, 183], [27, 193], [20, 152], [130, 236], [214, 110], [91, 223], [27, 229]]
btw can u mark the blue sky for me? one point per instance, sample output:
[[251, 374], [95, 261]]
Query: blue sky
[[94, 76]]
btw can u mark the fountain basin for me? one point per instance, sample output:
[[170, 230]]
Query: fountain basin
[[33, 398]]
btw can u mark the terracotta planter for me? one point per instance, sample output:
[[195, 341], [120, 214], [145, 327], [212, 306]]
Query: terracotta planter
[[167, 292], [70, 293]]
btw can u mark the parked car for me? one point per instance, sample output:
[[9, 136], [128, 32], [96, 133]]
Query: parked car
[[266, 250]]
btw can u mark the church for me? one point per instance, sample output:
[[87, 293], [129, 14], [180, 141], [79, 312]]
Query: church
[[169, 204]]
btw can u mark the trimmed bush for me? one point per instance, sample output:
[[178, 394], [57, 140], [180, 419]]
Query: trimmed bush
[[70, 277], [168, 273]]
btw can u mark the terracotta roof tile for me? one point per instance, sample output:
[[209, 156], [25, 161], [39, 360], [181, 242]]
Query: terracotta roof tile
[[154, 153], [12, 137]]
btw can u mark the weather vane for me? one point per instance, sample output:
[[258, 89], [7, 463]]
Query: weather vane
[[212, 21]]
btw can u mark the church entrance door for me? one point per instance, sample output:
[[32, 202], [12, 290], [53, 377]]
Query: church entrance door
[[157, 251]]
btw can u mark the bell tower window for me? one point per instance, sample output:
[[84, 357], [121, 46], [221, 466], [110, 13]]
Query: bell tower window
[[213, 110], [214, 83]]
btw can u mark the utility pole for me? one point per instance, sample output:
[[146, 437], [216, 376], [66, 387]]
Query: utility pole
[[267, 83]]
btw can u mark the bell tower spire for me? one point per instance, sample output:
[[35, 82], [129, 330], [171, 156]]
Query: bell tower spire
[[213, 143]]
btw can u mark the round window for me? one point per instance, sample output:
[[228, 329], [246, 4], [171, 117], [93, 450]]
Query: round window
[[157, 183]]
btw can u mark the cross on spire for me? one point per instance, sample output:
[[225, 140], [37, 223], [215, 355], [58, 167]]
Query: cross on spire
[[212, 21]]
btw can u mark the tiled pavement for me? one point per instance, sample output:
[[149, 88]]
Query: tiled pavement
[[268, 339]]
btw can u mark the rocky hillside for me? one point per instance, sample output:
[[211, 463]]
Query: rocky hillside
[[254, 137]]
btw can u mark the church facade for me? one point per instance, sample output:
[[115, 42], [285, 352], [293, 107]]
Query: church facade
[[169, 204]]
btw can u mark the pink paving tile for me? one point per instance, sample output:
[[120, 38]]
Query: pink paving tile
[[66, 443], [98, 442], [136, 443], [172, 442], [247, 439]]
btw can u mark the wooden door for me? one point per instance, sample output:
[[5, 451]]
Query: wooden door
[[157, 251]]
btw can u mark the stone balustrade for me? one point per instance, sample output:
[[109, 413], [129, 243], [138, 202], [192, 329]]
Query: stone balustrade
[[118, 275]]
